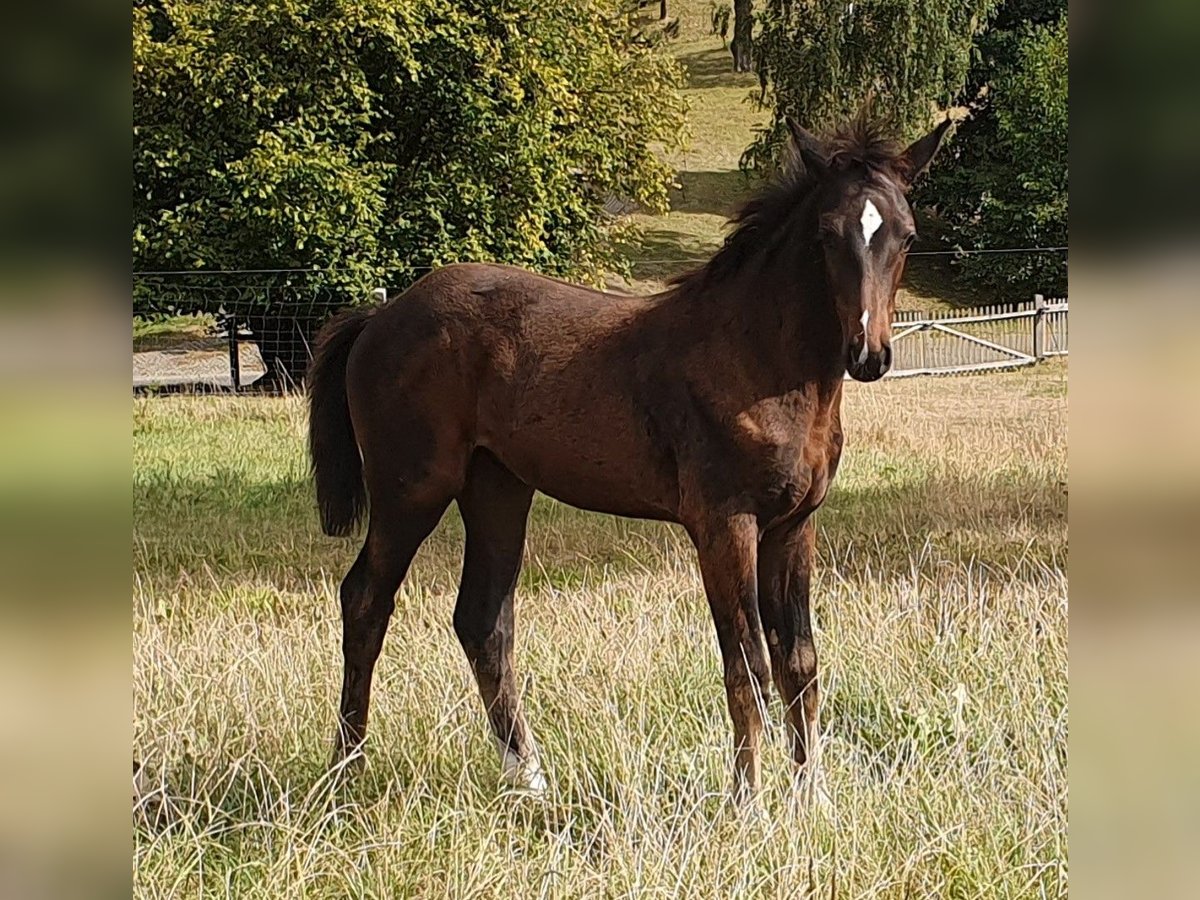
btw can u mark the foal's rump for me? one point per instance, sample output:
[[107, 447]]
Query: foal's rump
[[537, 371]]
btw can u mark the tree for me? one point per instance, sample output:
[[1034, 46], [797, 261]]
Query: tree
[[375, 138], [818, 59], [742, 45], [1003, 185]]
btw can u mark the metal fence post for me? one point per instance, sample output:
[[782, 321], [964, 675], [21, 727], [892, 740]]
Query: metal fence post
[[1039, 327], [235, 361]]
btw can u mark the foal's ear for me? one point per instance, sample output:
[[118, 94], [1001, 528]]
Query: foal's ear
[[919, 155], [809, 148]]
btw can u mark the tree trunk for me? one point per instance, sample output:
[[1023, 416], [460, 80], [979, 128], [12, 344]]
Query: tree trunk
[[743, 26]]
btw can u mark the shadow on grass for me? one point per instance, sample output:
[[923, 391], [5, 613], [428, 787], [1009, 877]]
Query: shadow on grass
[[717, 193], [713, 68], [933, 276], [175, 332], [664, 252], [264, 531], [898, 533]]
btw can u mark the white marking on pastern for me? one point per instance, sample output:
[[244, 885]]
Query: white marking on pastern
[[523, 775]]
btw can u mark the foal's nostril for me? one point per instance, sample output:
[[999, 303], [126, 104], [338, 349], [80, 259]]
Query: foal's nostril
[[887, 358]]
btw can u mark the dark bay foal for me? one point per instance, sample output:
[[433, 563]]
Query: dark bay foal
[[714, 404]]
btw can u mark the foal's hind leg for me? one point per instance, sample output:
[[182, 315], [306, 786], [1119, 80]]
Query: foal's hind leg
[[368, 596], [495, 506]]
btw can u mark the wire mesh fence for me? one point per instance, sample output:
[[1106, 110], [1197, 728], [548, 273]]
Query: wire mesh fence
[[230, 329], [255, 330]]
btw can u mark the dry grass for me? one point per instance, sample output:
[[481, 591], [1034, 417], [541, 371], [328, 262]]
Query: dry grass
[[941, 605]]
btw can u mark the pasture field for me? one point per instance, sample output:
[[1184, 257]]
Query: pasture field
[[941, 606]]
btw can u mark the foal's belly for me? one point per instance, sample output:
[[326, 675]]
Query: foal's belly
[[609, 482], [614, 502], [576, 433]]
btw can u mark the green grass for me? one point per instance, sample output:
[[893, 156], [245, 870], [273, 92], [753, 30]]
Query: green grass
[[942, 627]]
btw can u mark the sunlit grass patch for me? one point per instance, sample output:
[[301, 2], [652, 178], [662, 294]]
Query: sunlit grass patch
[[940, 602]]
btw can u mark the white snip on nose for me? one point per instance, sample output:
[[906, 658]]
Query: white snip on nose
[[866, 317]]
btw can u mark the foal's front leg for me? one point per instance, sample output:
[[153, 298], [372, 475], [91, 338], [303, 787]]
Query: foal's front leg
[[785, 564], [728, 551]]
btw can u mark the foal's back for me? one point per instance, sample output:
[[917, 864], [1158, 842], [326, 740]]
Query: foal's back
[[563, 384]]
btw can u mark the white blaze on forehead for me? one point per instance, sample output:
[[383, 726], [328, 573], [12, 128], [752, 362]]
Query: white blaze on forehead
[[866, 317], [871, 220]]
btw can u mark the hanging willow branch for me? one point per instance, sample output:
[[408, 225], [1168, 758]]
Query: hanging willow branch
[[818, 59]]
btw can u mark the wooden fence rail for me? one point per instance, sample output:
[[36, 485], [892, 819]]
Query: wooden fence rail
[[977, 339]]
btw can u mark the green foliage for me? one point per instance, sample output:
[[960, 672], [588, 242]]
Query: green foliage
[[1004, 181], [818, 60], [368, 136]]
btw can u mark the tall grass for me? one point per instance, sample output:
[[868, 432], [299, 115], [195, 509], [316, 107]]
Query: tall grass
[[942, 623]]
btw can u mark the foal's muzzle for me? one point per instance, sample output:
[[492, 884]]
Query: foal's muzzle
[[869, 367]]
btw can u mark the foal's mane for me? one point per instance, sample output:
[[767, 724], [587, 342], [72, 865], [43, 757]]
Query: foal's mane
[[861, 143]]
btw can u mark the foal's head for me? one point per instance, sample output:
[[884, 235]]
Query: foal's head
[[864, 227]]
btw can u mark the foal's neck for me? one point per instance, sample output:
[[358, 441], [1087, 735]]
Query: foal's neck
[[787, 320]]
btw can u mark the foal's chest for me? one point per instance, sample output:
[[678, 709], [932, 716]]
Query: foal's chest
[[789, 455]]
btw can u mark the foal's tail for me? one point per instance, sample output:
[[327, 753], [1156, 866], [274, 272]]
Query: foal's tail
[[336, 463]]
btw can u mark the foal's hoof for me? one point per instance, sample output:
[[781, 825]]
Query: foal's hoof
[[523, 777], [535, 791], [810, 795], [747, 803]]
